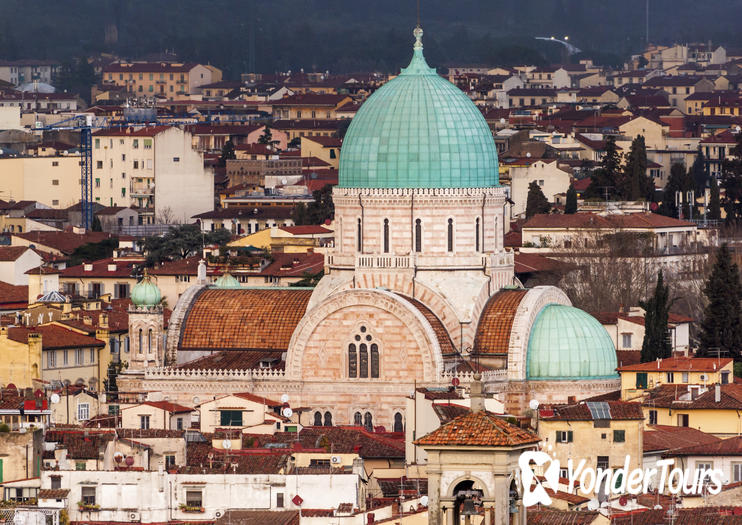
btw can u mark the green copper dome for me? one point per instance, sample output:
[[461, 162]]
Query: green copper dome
[[566, 344], [418, 131], [145, 293], [227, 281]]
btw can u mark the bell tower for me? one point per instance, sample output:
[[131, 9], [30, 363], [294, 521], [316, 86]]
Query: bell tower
[[146, 326]]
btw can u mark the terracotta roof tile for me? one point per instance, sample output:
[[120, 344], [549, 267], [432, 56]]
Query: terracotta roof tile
[[448, 412], [53, 337], [478, 429], [665, 437], [496, 321], [595, 221], [561, 517], [235, 360], [65, 242], [11, 253], [259, 517], [249, 319], [691, 516], [444, 339], [12, 296], [581, 412], [53, 493], [680, 364]]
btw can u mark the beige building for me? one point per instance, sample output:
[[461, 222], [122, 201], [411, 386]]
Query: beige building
[[76, 406], [156, 414], [323, 148], [546, 173], [54, 181], [602, 433], [172, 80], [156, 169], [247, 412]]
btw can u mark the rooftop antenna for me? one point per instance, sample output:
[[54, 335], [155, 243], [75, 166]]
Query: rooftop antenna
[[418, 13]]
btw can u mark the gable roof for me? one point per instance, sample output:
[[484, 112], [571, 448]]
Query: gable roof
[[478, 429], [12, 296], [679, 364], [584, 411], [54, 337], [724, 447], [594, 221], [669, 438]]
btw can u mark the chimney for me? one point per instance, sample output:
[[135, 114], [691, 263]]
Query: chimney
[[717, 393], [477, 398], [103, 321], [201, 276]]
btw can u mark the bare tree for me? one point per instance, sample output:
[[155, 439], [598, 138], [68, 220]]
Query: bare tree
[[165, 216]]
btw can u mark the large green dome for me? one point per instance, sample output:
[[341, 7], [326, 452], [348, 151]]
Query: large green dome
[[418, 131], [566, 344]]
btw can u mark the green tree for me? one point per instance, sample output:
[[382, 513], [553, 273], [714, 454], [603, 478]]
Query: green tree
[[731, 181], [267, 138], [114, 369], [570, 206], [714, 212], [605, 178], [700, 175], [536, 201], [96, 226], [227, 153], [679, 181], [93, 251], [720, 328], [634, 184], [656, 344], [181, 242], [316, 212]]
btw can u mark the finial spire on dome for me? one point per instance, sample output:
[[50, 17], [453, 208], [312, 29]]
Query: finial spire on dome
[[418, 65], [418, 32]]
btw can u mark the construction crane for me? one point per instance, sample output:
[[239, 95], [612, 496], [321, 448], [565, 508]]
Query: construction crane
[[84, 124]]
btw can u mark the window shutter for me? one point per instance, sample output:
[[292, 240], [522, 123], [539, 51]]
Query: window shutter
[[569, 436]]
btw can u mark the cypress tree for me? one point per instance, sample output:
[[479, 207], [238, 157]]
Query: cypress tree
[[634, 183], [721, 328], [714, 212], [536, 201], [656, 344], [570, 206], [700, 177], [606, 177]]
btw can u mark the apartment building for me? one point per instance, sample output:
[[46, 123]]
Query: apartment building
[[168, 79], [54, 181], [155, 169]]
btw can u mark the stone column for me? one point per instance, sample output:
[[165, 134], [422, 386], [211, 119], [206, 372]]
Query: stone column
[[434, 499], [501, 496]]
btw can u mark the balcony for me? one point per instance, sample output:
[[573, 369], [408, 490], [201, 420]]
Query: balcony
[[142, 189], [418, 261]]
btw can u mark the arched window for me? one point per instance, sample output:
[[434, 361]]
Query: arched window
[[368, 421], [363, 356], [141, 341], [328, 419], [363, 360], [450, 235], [358, 419], [359, 237], [418, 236], [386, 235], [318, 419], [149, 341], [476, 234], [352, 361], [375, 360], [398, 424]]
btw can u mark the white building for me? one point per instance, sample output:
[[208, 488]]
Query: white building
[[546, 173], [154, 169]]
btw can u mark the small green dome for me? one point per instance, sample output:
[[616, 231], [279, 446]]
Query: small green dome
[[227, 281], [145, 293], [418, 131], [566, 344]]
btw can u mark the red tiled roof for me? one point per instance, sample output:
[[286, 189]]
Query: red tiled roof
[[234, 360], [12, 296], [146, 131], [478, 429], [294, 265], [53, 493], [680, 364], [149, 67], [11, 253], [305, 230], [561, 517], [65, 242], [167, 406], [54, 337], [448, 412], [100, 268], [434, 394], [496, 321], [595, 221], [255, 149], [581, 184], [311, 99], [706, 515], [444, 339], [260, 517], [668, 396], [619, 410], [249, 319], [327, 142], [258, 399], [665, 437], [534, 263]]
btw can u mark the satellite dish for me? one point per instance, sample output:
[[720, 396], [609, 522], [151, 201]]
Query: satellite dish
[[196, 400], [533, 403], [54, 398], [285, 398], [284, 181], [287, 412], [424, 501], [528, 154], [227, 444]]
